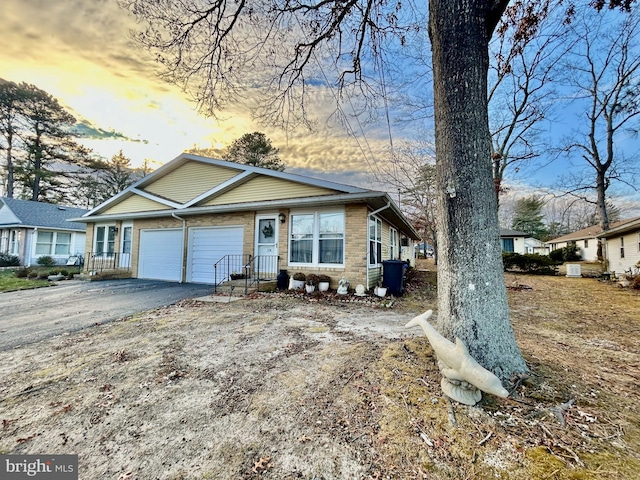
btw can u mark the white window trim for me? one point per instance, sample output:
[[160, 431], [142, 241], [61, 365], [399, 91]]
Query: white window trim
[[53, 244], [106, 226], [315, 252], [394, 248], [378, 221]]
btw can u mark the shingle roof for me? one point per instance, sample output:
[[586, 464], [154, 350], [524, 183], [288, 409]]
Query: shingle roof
[[505, 232], [589, 232], [42, 215]]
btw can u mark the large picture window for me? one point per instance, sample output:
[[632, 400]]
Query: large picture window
[[317, 238], [375, 241], [53, 243]]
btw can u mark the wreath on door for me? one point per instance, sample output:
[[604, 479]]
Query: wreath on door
[[267, 231]]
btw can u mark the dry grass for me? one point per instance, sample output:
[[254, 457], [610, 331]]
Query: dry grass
[[288, 387]]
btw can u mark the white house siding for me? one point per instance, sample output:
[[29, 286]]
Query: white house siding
[[588, 253], [76, 247], [617, 263]]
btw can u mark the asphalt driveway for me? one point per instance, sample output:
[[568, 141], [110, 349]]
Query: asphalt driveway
[[29, 316]]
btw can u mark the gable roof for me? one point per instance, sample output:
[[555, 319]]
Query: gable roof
[[621, 228], [29, 214], [193, 185], [591, 232]]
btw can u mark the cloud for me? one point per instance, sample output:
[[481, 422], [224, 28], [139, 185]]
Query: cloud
[[86, 130]]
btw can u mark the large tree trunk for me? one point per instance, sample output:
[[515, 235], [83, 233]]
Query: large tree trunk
[[472, 300]]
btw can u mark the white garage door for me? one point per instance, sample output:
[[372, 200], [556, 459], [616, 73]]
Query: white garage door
[[160, 255], [207, 246]]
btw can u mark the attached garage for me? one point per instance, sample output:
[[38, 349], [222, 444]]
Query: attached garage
[[207, 245], [161, 254]]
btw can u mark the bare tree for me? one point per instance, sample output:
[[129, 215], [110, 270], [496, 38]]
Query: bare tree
[[219, 46], [603, 70], [411, 172], [531, 39]]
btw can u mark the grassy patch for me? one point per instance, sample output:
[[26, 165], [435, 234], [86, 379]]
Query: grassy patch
[[9, 282]]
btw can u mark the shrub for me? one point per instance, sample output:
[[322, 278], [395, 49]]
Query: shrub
[[22, 272], [46, 261], [324, 278], [7, 260], [529, 263], [635, 282], [570, 253], [299, 276], [32, 275], [312, 279]]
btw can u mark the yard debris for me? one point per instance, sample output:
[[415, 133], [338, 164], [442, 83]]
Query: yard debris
[[261, 465]]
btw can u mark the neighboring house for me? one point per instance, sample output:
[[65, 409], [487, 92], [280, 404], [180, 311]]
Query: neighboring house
[[621, 246], [533, 245], [513, 241], [196, 212], [586, 240], [30, 230]]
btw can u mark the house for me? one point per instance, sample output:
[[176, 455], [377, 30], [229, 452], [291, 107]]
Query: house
[[586, 239], [30, 230], [513, 241], [621, 246], [200, 220]]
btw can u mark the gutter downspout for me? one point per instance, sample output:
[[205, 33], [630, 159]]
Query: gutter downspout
[[184, 230], [368, 216]]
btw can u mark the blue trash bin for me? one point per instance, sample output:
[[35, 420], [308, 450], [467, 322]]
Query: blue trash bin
[[393, 276]]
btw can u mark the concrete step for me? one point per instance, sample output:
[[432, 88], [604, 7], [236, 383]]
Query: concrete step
[[237, 287]]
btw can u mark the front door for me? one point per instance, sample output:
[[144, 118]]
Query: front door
[[266, 263]]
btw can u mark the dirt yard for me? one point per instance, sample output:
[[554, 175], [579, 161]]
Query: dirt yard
[[295, 387]]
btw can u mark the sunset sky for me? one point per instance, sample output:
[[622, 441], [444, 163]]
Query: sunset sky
[[80, 52]]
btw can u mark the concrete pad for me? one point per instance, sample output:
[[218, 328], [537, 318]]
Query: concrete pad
[[218, 299]]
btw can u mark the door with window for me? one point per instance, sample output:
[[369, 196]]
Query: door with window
[[266, 245], [125, 245]]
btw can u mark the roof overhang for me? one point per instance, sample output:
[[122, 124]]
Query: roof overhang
[[375, 200], [627, 227]]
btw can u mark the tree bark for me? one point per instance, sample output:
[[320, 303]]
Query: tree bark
[[472, 300]]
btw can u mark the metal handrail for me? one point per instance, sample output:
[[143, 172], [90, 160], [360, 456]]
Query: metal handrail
[[101, 261], [261, 268], [227, 266], [253, 269]]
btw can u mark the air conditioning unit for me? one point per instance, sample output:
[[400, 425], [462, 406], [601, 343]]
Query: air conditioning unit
[[573, 270]]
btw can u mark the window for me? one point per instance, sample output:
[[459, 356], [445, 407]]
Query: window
[[13, 243], [621, 247], [586, 243], [126, 239], [44, 243], [393, 244], [317, 238], [105, 240], [507, 244], [375, 241], [53, 243], [638, 242]]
